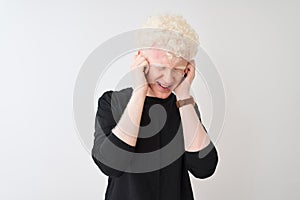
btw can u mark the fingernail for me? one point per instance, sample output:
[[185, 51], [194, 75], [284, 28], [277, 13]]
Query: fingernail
[[139, 52]]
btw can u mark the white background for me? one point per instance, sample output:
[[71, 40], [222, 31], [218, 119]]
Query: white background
[[253, 44]]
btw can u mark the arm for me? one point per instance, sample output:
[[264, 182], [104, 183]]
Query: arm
[[201, 156], [111, 138], [128, 127]]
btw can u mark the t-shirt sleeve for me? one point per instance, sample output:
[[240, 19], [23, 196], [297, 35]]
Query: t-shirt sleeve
[[111, 154], [202, 164]]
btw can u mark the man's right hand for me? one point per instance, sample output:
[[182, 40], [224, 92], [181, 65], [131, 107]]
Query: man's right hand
[[139, 68]]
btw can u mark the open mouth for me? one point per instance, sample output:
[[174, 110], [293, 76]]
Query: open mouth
[[165, 87]]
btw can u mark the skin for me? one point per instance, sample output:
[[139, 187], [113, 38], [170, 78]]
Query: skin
[[169, 75], [145, 79]]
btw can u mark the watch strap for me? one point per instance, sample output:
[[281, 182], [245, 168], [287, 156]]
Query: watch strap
[[183, 102]]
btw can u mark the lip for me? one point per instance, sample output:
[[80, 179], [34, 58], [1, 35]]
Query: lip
[[164, 84], [161, 88]]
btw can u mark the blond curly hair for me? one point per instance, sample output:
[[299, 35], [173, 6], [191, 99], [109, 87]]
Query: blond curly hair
[[169, 32]]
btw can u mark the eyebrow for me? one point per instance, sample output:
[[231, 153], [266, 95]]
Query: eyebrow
[[160, 65], [157, 65], [181, 67]]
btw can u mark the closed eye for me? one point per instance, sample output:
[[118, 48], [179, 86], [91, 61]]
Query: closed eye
[[180, 68], [156, 65], [161, 67]]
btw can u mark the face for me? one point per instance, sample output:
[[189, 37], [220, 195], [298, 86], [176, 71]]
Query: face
[[165, 72]]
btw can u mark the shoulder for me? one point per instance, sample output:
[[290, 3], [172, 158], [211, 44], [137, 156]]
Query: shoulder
[[116, 96]]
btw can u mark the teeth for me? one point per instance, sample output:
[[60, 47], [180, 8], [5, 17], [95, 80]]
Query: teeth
[[163, 85]]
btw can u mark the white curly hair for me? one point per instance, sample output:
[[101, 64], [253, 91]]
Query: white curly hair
[[171, 33]]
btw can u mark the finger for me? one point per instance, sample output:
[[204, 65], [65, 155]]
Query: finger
[[141, 62], [140, 65], [144, 64], [147, 68], [192, 64], [137, 61], [135, 57], [141, 59]]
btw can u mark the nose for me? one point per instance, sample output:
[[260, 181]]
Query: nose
[[168, 75]]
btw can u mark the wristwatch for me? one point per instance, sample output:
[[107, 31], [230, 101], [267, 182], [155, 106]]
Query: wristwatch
[[183, 102]]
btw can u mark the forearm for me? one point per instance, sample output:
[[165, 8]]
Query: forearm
[[195, 136], [128, 126]]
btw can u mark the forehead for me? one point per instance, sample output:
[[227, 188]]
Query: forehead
[[163, 57]]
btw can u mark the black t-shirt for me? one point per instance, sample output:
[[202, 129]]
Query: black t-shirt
[[132, 180]]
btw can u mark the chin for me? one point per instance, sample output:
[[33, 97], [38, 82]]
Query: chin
[[159, 92]]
